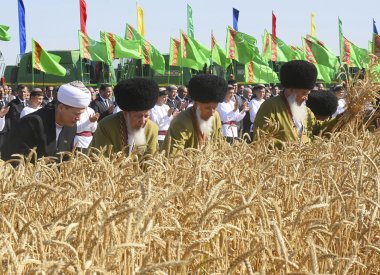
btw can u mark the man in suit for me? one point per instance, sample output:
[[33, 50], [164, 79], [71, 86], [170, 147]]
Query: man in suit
[[3, 122], [51, 129], [17, 104], [103, 104], [48, 95]]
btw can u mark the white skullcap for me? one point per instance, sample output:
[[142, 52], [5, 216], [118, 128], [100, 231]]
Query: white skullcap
[[74, 94]]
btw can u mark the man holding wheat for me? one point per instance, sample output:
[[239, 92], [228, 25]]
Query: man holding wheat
[[195, 126], [130, 130], [286, 116]]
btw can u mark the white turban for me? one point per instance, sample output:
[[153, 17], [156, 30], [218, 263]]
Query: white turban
[[74, 94]]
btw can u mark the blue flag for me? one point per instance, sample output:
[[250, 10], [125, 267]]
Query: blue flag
[[21, 26], [235, 19], [374, 27]]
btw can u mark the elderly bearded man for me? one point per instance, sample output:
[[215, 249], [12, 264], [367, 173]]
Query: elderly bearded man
[[295, 121], [195, 126], [131, 129]]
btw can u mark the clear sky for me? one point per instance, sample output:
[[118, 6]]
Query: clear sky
[[54, 23]]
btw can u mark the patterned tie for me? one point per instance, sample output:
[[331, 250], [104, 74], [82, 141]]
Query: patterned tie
[[1, 104]]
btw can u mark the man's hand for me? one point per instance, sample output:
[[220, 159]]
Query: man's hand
[[4, 111], [94, 117], [236, 107], [245, 107], [111, 108]]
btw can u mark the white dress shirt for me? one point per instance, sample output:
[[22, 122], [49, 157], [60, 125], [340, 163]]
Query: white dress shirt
[[28, 110], [254, 106], [229, 118], [85, 125], [2, 123], [159, 115]]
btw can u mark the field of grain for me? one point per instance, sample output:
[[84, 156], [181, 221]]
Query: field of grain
[[243, 209]]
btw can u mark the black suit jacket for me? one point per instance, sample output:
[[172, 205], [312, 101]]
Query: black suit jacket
[[100, 108], [15, 108], [38, 129]]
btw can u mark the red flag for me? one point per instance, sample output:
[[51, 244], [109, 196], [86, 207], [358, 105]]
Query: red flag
[[274, 25], [83, 15]]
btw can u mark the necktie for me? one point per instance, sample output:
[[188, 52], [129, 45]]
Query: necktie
[[23, 103], [1, 104], [106, 103]]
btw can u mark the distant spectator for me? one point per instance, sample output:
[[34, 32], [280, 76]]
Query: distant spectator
[[340, 93], [35, 102]]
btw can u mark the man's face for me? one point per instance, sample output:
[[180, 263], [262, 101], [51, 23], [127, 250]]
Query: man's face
[[49, 92], [276, 90], [260, 93], [1, 92], [162, 100], [267, 95], [107, 93], [247, 93], [301, 95], [206, 110], [138, 119], [24, 94], [340, 94], [36, 101], [68, 116], [230, 93], [235, 88], [184, 93], [241, 89], [172, 93]]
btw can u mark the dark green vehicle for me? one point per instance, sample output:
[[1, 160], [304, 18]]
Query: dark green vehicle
[[93, 73]]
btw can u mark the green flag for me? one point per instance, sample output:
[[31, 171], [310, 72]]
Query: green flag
[[258, 73], [298, 53], [4, 34], [46, 62], [190, 27], [122, 48], [218, 54], [91, 49], [326, 62], [151, 56], [194, 54], [241, 46], [175, 57], [275, 49], [354, 56]]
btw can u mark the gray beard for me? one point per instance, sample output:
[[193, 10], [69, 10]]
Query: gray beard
[[299, 112], [204, 125], [138, 135]]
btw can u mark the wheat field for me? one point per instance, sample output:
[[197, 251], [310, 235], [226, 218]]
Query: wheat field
[[308, 209]]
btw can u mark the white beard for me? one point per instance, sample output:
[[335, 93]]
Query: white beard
[[299, 112], [137, 135], [204, 125]]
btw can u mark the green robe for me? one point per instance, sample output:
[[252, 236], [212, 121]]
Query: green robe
[[181, 133], [112, 131], [276, 109]]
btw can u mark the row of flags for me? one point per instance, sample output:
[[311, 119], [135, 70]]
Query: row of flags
[[188, 52]]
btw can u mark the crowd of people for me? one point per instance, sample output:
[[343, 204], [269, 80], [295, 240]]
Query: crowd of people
[[137, 115]]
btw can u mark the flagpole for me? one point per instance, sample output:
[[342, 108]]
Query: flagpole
[[33, 63], [180, 49], [80, 55]]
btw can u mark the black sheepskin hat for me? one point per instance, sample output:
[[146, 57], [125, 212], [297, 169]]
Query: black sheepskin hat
[[206, 88], [136, 94], [322, 103], [298, 74]]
